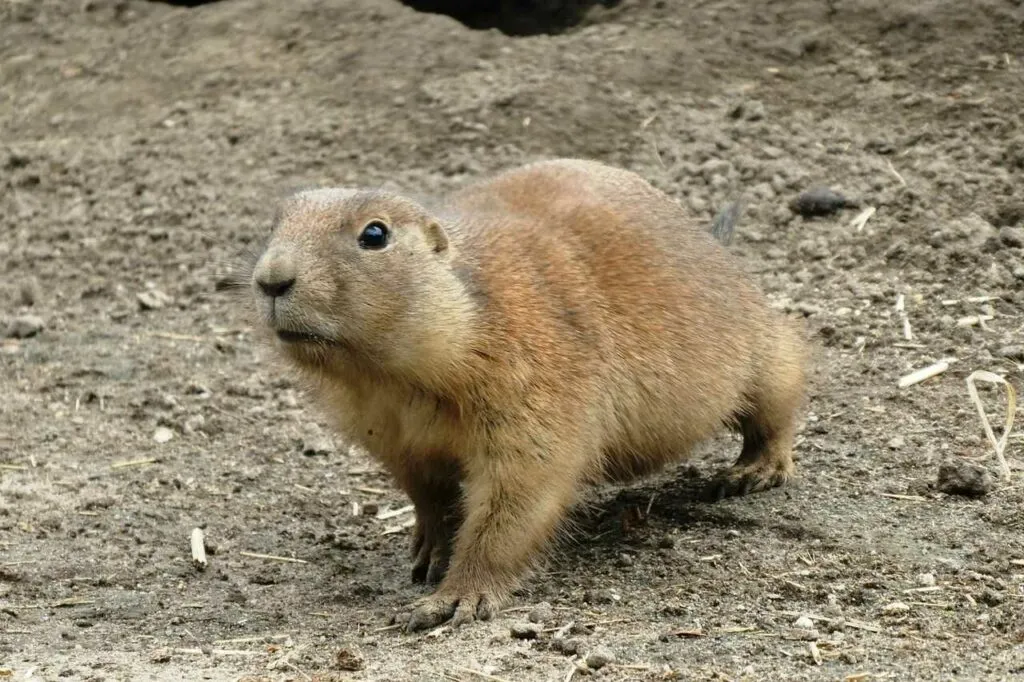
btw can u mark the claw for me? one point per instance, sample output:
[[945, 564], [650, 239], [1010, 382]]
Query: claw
[[462, 610], [744, 480], [431, 612]]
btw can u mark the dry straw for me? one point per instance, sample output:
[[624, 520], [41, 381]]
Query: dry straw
[[999, 446]]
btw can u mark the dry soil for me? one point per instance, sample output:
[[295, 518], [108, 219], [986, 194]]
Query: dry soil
[[142, 146]]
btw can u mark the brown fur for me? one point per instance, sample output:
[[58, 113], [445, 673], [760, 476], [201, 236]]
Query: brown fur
[[561, 324]]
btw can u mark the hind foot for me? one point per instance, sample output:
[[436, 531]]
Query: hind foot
[[743, 479]]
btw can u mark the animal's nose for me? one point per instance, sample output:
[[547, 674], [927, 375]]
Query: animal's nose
[[275, 273], [276, 287]]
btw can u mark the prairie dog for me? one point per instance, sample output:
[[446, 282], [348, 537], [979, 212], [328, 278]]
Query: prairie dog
[[561, 324]]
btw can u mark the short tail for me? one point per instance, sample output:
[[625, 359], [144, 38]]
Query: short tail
[[724, 224]]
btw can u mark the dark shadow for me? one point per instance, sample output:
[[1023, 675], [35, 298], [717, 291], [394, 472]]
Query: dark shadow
[[627, 519], [513, 17]]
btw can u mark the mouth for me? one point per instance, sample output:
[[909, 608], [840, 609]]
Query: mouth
[[289, 336]]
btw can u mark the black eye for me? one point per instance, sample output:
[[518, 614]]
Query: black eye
[[374, 236]]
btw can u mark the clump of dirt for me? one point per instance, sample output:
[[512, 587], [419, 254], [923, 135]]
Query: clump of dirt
[[142, 145]]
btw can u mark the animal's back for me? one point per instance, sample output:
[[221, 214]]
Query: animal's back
[[645, 301]]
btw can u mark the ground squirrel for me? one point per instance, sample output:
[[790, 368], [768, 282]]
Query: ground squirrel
[[561, 324]]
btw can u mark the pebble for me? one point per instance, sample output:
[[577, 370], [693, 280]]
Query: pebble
[[567, 647], [599, 658], [316, 442], [153, 299], [820, 201], [541, 613], [28, 292], [751, 110], [25, 326], [163, 434], [804, 308], [347, 660], [804, 623], [525, 630], [926, 579], [162, 655], [194, 424], [1015, 352], [802, 634], [990, 597], [600, 597], [957, 477], [1012, 236], [897, 608], [896, 442]]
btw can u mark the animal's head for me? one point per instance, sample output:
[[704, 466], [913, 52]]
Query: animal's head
[[352, 276]]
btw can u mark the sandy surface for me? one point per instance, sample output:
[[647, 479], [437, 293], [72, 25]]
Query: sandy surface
[[141, 147]]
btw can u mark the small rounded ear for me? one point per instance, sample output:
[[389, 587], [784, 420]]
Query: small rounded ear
[[436, 236]]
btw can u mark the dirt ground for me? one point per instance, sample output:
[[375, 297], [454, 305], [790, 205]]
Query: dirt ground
[[142, 146]]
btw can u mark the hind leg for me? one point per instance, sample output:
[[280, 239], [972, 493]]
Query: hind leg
[[768, 429], [766, 461]]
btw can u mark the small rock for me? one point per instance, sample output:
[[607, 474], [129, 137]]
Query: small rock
[[153, 299], [16, 160], [316, 442], [525, 631], [804, 623], [541, 613], [600, 597], [958, 477], [897, 608], [194, 424], [25, 326], [926, 579], [896, 442], [802, 634], [599, 658], [751, 110], [346, 660], [625, 560], [567, 647], [820, 201], [28, 292], [804, 308], [162, 655], [371, 509], [1012, 236], [990, 597], [234, 596], [163, 434], [1015, 352]]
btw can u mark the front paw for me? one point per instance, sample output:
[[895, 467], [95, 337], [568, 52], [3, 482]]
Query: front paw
[[461, 607]]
